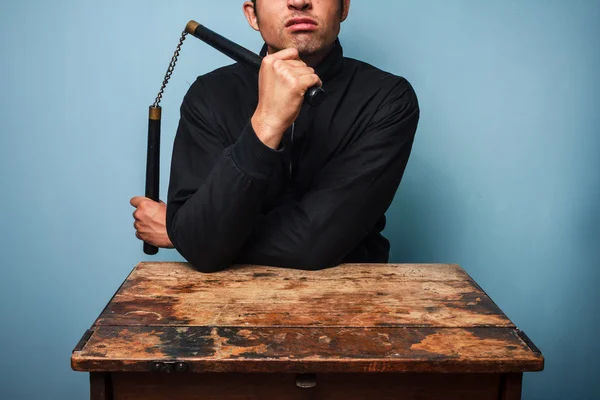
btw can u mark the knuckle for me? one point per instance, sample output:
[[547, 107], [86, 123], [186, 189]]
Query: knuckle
[[277, 65], [295, 82], [268, 60], [289, 78]]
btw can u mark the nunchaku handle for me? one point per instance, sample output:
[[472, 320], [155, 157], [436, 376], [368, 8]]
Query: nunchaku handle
[[153, 164], [314, 96]]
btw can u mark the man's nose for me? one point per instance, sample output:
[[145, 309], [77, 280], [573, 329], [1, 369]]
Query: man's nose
[[299, 4]]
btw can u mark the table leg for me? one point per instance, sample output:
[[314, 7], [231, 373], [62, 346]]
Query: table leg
[[510, 386], [101, 386]]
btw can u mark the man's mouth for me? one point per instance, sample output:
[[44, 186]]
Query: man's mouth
[[301, 24]]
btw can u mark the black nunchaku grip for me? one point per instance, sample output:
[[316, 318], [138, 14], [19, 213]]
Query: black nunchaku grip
[[314, 96], [153, 164]]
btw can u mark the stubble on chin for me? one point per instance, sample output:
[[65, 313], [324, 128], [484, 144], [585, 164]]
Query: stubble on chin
[[307, 46], [306, 43]]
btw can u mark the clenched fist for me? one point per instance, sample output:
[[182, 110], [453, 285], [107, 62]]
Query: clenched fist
[[282, 83], [151, 222]]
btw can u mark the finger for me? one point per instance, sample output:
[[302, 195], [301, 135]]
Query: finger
[[137, 235], [138, 214], [299, 71], [136, 225], [161, 202], [294, 63], [135, 201], [308, 81], [286, 54]]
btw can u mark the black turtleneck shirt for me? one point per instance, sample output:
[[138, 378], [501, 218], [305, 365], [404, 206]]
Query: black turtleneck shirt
[[317, 201]]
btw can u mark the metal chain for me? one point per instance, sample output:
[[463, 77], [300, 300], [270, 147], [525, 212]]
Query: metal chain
[[170, 70]]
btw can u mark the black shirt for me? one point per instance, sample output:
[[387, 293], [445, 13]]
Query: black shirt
[[317, 201]]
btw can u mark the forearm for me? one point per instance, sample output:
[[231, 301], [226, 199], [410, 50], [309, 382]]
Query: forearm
[[209, 224], [214, 222]]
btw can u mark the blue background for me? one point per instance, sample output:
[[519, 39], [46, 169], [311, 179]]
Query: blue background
[[503, 179]]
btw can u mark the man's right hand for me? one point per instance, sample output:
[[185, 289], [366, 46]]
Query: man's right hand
[[150, 222], [282, 83]]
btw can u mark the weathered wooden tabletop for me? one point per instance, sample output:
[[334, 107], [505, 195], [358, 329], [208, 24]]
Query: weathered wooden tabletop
[[355, 318]]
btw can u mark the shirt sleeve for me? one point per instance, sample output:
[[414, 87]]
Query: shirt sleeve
[[347, 197], [216, 188]]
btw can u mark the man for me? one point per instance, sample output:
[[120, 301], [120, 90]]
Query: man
[[259, 177]]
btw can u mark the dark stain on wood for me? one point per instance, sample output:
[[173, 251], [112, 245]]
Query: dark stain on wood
[[528, 341], [475, 302], [182, 342], [188, 288], [157, 310], [263, 274]]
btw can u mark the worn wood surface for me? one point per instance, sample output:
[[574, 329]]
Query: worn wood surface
[[151, 386], [353, 318], [351, 295], [317, 350]]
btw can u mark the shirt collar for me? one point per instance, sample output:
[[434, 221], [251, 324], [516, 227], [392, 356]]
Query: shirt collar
[[330, 66]]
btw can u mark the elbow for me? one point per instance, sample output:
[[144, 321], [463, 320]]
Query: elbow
[[310, 254], [208, 268], [203, 257], [291, 258], [318, 264], [314, 259], [204, 260]]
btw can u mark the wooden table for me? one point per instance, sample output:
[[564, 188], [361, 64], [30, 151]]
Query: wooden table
[[357, 331]]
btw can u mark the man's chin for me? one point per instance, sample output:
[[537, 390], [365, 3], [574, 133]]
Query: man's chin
[[306, 44]]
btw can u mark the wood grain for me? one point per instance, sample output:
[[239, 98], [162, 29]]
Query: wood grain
[[351, 295], [316, 350], [355, 318]]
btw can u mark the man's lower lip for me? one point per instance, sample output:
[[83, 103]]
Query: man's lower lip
[[302, 27]]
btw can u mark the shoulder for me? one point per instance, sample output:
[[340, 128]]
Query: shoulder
[[221, 86], [227, 77], [386, 86], [391, 96]]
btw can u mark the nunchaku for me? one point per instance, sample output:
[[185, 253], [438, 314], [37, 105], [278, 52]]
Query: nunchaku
[[314, 96]]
